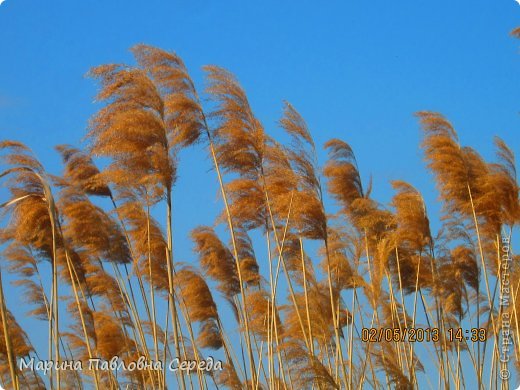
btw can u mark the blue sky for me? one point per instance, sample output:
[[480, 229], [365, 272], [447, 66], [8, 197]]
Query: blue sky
[[356, 70]]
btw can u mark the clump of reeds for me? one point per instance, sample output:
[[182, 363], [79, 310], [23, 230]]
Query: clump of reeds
[[116, 288]]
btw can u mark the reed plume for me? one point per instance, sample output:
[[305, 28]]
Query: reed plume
[[216, 260]]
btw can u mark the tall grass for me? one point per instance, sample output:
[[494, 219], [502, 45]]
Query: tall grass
[[299, 316]]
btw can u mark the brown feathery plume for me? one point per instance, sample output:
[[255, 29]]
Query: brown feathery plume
[[412, 224], [198, 300], [148, 328], [302, 153], [248, 265], [30, 223], [464, 252], [209, 335], [386, 360], [148, 242], [22, 262], [504, 185], [182, 111], [307, 371], [20, 155], [309, 213], [342, 257], [239, 136], [412, 239], [76, 274], [382, 250], [100, 283], [461, 173], [292, 255], [108, 335], [76, 343], [218, 263], [34, 220], [465, 265], [95, 237], [34, 295], [88, 227], [320, 312], [281, 182], [247, 204], [371, 220], [132, 120], [20, 348], [258, 302], [460, 259], [81, 171], [446, 160], [196, 294], [414, 270], [450, 293], [344, 184], [394, 314], [488, 199], [240, 147], [341, 169], [216, 260], [309, 216], [293, 123], [112, 341], [494, 193]]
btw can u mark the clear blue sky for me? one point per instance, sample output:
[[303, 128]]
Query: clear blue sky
[[356, 70]]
